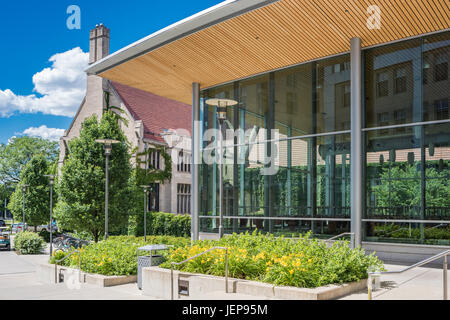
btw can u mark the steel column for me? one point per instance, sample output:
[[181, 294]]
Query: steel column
[[356, 139], [195, 159], [106, 196], [51, 219]]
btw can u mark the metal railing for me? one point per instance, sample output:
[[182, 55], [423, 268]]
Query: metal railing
[[352, 238], [419, 264], [67, 256], [196, 256]]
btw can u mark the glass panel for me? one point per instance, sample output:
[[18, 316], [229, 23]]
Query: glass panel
[[437, 156], [254, 98], [293, 100], [333, 176], [393, 174], [436, 82], [333, 94], [392, 84], [413, 233]]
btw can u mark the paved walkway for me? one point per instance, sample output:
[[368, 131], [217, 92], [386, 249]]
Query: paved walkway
[[18, 281], [416, 284]]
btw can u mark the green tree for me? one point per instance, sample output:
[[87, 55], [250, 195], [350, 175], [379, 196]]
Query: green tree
[[15, 155], [81, 188], [37, 195]]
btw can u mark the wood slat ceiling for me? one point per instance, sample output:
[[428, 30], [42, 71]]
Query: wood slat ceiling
[[278, 35]]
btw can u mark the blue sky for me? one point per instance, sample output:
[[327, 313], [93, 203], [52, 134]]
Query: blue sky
[[31, 32]]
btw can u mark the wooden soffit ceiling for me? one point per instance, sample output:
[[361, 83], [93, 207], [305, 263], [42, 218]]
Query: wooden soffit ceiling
[[278, 35]]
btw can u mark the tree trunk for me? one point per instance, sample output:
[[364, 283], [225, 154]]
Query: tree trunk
[[95, 234]]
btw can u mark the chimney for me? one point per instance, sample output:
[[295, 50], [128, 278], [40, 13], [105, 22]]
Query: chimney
[[98, 43]]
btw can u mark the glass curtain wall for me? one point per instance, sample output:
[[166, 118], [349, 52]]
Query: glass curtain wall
[[287, 169], [287, 155], [407, 165]]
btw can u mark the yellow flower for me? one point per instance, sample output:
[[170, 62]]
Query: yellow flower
[[291, 271], [100, 264], [310, 260], [203, 261], [269, 263]]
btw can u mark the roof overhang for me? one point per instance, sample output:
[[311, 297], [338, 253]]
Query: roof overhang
[[240, 38]]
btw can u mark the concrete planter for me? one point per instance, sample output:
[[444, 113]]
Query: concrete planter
[[46, 274], [156, 283]]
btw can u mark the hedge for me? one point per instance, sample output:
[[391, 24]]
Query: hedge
[[303, 262], [115, 256], [161, 223]]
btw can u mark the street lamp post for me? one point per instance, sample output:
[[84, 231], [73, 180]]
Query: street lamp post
[[145, 211], [221, 105], [24, 190], [107, 146], [51, 179]]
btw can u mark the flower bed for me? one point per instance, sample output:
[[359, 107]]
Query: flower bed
[[115, 256], [306, 263]]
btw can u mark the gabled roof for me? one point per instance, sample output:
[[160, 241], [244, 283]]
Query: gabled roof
[[158, 114]]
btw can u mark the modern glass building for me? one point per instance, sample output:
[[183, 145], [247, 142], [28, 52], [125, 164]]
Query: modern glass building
[[405, 148], [342, 124]]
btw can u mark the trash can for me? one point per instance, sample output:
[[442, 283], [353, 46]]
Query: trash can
[[149, 259]]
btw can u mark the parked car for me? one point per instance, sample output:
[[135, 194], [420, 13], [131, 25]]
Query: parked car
[[18, 227], [5, 241], [2, 224], [47, 227]]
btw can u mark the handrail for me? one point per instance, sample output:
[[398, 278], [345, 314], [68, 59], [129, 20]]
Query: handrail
[[67, 256], [419, 264], [196, 256], [352, 238]]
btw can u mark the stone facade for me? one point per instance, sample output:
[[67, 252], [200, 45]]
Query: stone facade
[[148, 125]]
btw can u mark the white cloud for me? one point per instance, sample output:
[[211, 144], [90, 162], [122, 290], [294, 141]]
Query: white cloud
[[52, 134], [60, 88]]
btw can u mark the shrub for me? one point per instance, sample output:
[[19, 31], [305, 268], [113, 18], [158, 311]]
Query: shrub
[[161, 223], [28, 243], [117, 255], [305, 262]]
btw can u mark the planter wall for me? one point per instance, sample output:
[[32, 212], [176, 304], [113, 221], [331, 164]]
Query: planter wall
[[46, 274], [156, 283]]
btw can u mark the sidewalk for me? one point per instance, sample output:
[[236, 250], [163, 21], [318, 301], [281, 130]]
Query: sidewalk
[[18, 281], [417, 284]]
